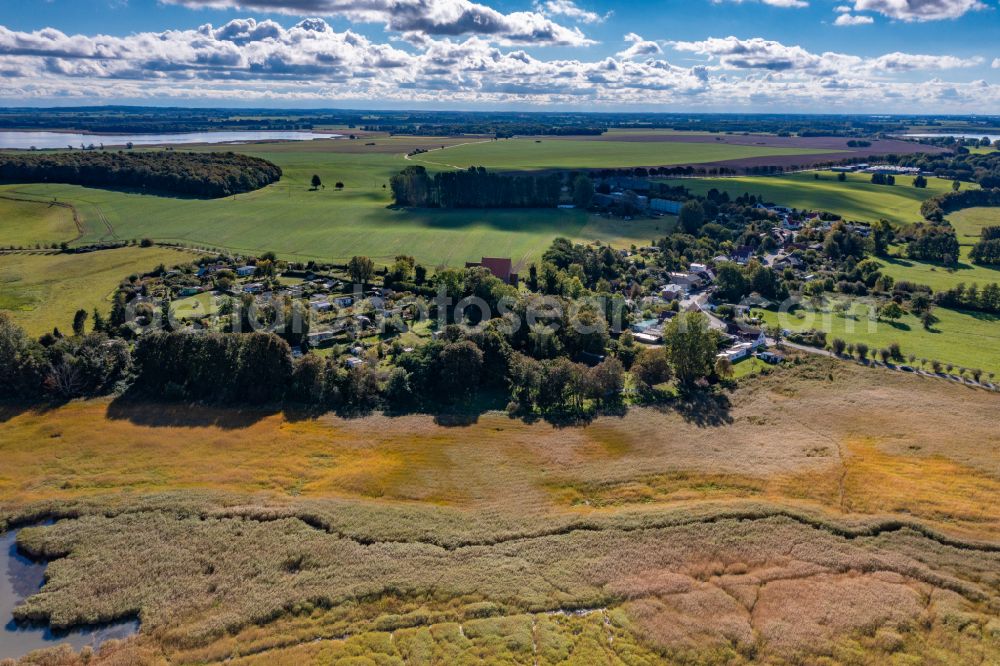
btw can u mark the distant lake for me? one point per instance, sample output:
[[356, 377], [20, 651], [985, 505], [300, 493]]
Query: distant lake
[[991, 137], [40, 140], [21, 577]]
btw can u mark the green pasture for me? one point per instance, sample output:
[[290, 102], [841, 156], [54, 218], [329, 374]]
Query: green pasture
[[42, 291], [854, 199], [30, 223], [965, 339], [536, 154], [330, 225], [196, 307], [968, 224]]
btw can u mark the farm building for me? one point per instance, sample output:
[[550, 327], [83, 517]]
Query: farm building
[[500, 268], [665, 206]]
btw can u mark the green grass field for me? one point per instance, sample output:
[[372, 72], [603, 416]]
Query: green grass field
[[44, 291], [27, 223], [966, 339], [968, 224], [854, 199], [540, 154], [332, 225]]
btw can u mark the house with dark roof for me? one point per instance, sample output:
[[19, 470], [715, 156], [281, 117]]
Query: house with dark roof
[[742, 254]]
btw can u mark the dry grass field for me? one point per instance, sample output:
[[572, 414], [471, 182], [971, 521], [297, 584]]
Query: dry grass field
[[827, 513]]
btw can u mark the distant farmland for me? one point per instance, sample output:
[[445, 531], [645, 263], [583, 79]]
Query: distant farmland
[[529, 154], [854, 199], [331, 225]]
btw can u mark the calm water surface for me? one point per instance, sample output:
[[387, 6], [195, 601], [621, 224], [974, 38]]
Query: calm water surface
[[40, 140], [991, 137], [21, 577]]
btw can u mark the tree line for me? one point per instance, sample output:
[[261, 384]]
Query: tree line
[[961, 297], [987, 250], [936, 208], [474, 188], [196, 174], [933, 242]]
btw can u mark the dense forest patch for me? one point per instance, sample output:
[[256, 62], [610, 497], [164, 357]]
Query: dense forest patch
[[208, 175]]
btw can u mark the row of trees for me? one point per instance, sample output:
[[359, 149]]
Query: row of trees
[[237, 368], [474, 188], [933, 242], [196, 174], [987, 250], [972, 297], [61, 368], [936, 208]]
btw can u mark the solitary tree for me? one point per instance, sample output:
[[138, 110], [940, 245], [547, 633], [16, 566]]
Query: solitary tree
[[361, 269], [459, 366], [316, 182], [890, 311], [98, 319], [339, 185], [650, 367], [692, 217], [956, 185], [79, 322], [838, 346], [690, 347], [583, 192], [928, 319]]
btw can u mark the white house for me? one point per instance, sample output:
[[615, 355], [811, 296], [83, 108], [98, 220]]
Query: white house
[[316, 338], [672, 292]]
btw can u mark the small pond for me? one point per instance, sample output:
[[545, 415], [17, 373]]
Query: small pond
[[20, 577]]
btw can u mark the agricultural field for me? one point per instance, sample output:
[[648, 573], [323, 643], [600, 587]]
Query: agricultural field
[[330, 225], [855, 199], [964, 339], [30, 223], [539, 154], [42, 291], [815, 510], [968, 224]]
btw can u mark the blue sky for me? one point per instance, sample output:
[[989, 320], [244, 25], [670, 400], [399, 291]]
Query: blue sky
[[672, 55]]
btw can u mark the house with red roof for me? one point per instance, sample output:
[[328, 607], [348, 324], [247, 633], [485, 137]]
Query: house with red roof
[[500, 268]]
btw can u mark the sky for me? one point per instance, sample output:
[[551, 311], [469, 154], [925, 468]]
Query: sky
[[777, 56]]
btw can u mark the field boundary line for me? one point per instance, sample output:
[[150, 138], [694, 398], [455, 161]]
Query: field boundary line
[[408, 158], [77, 222]]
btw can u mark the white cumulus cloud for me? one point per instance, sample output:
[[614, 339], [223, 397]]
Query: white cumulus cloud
[[570, 10], [639, 47], [919, 10], [249, 61], [796, 4], [853, 19], [429, 17]]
